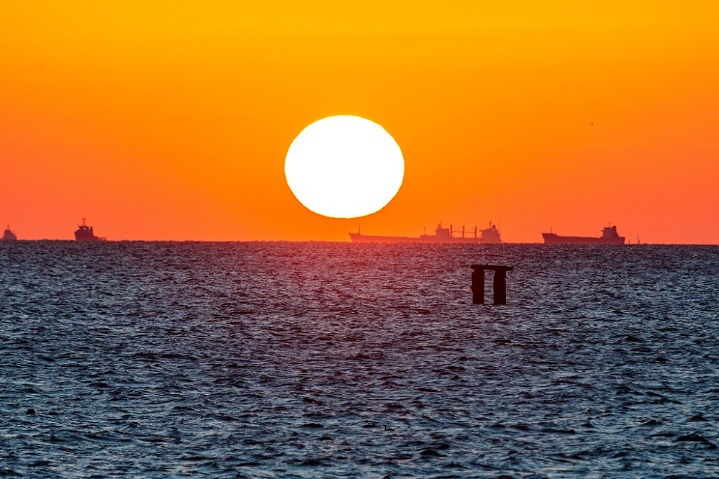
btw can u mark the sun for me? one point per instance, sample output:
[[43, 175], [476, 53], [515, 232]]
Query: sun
[[344, 167]]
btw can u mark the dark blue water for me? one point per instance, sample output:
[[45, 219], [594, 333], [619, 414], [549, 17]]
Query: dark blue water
[[342, 360]]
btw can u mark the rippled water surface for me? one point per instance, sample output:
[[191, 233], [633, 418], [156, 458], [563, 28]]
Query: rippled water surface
[[333, 360]]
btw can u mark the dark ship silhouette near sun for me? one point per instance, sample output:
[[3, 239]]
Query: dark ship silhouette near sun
[[441, 235]]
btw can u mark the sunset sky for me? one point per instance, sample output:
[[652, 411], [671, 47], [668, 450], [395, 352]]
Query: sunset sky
[[171, 120]]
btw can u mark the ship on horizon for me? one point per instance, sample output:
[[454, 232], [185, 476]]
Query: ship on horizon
[[609, 237], [441, 235], [8, 235], [86, 233]]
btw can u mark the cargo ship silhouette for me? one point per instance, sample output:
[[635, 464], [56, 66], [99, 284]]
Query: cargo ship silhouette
[[609, 236], [441, 235], [85, 233]]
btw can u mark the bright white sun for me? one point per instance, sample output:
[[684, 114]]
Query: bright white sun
[[344, 167]]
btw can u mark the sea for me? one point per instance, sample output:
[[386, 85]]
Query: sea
[[341, 360]]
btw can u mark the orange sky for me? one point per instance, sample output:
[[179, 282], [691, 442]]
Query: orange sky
[[172, 121]]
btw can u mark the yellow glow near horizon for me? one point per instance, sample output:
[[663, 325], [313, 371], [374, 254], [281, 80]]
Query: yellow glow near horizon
[[344, 167]]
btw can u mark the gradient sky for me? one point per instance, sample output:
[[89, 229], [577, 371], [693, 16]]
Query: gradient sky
[[171, 120]]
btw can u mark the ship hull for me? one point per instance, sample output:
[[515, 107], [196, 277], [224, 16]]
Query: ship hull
[[360, 238], [87, 238], [551, 238]]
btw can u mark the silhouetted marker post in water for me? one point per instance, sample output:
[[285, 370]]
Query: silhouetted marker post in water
[[500, 282]]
